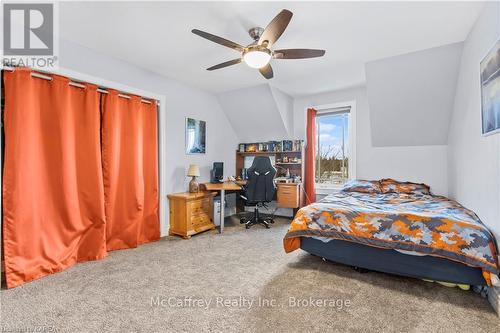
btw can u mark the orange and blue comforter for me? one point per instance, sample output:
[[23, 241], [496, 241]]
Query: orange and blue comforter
[[418, 222]]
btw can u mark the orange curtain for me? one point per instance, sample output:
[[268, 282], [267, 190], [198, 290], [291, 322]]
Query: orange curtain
[[129, 154], [53, 195], [310, 167]]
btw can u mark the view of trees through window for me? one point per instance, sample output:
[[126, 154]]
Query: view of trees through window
[[332, 156]]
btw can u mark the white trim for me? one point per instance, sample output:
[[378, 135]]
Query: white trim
[[351, 129], [328, 188], [352, 139], [162, 138]]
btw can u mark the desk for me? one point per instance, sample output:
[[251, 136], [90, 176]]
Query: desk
[[222, 188]]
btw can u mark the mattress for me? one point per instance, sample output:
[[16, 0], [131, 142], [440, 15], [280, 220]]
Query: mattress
[[426, 224]]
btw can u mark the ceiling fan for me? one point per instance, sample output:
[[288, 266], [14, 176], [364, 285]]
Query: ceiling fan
[[259, 53]]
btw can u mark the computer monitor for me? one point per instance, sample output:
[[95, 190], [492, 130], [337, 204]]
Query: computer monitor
[[218, 171]]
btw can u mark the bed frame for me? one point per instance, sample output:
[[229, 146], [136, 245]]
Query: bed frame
[[393, 262]]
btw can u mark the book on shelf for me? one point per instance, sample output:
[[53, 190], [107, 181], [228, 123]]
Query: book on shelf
[[287, 145], [272, 146], [297, 145]]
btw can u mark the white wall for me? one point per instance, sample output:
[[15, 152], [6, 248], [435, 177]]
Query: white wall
[[181, 101], [411, 96], [474, 160], [425, 164], [284, 103], [254, 114]]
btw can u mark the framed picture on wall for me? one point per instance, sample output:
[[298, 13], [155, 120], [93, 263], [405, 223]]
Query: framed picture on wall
[[490, 91], [196, 136]]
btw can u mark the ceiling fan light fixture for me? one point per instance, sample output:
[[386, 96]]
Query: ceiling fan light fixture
[[259, 53], [257, 57]]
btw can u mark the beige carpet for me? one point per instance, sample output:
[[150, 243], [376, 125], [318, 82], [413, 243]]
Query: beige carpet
[[114, 294]]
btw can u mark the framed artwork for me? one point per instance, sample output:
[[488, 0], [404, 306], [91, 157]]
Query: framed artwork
[[490, 91], [196, 136]]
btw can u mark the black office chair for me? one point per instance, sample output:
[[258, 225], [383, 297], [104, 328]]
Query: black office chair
[[259, 190]]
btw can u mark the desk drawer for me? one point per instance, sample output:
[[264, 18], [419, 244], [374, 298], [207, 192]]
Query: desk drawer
[[200, 206], [288, 196], [202, 219]]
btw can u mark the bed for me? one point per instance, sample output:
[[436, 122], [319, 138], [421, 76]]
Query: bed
[[398, 228]]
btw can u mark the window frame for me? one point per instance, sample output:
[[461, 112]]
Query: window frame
[[351, 128]]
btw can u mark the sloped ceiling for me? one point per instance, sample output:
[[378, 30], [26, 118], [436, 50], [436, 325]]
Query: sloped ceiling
[[259, 113], [284, 103], [411, 96], [156, 35], [410, 99]]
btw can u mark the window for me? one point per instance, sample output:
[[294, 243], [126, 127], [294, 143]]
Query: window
[[333, 142]]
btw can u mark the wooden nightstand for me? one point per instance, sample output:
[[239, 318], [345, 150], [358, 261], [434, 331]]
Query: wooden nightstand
[[190, 213]]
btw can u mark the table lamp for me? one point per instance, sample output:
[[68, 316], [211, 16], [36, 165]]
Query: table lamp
[[194, 172]]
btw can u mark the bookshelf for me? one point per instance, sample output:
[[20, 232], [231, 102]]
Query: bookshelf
[[289, 194], [293, 160]]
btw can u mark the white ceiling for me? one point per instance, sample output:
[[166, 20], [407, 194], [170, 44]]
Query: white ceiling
[[156, 36]]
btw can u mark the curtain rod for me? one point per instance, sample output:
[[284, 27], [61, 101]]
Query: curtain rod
[[77, 84], [340, 109]]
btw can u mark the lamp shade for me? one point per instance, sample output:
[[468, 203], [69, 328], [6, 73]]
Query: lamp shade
[[257, 59], [193, 171]]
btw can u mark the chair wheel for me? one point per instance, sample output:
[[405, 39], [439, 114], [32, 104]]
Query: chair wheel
[[247, 227], [267, 226]]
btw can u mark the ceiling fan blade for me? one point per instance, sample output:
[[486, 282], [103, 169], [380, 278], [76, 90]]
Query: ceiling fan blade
[[298, 53], [225, 64], [218, 40], [267, 71], [275, 28]]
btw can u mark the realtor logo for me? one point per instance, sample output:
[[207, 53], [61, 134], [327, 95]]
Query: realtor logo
[[30, 34], [28, 29]]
